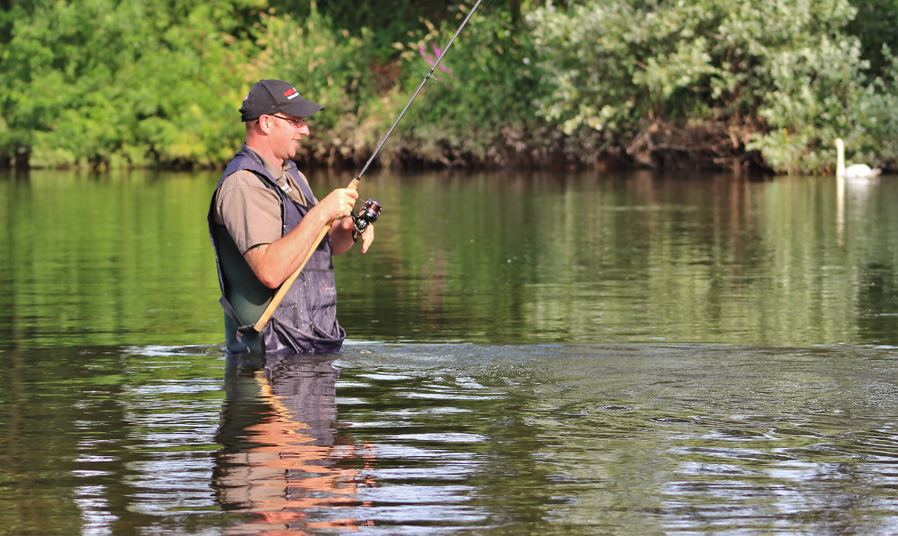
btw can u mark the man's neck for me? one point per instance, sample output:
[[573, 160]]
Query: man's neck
[[265, 151], [275, 170]]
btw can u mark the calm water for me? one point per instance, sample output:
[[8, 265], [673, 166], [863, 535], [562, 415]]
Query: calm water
[[580, 354]]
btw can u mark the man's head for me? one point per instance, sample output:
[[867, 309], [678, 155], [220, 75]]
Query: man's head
[[274, 114], [268, 97]]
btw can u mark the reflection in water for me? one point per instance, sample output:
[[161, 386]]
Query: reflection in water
[[487, 258], [840, 211], [281, 455], [554, 440]]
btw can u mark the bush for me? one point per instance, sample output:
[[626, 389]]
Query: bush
[[657, 83], [781, 78], [479, 107], [106, 82]]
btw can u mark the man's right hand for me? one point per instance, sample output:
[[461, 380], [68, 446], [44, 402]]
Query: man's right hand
[[338, 204]]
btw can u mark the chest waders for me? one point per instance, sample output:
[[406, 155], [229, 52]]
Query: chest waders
[[305, 321]]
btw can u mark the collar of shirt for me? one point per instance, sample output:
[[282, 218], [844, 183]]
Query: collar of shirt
[[280, 176]]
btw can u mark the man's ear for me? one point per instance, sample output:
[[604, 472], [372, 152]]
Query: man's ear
[[263, 123]]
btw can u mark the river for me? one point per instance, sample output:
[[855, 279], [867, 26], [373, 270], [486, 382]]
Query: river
[[549, 353]]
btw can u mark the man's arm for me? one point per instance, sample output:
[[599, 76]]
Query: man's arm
[[273, 263]]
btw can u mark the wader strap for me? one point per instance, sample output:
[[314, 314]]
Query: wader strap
[[226, 305]]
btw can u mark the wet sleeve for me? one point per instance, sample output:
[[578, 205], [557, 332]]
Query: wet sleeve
[[250, 211]]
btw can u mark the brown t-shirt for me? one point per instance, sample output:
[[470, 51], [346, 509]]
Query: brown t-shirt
[[249, 210]]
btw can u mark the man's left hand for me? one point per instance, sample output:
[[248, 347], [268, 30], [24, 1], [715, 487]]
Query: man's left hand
[[346, 228], [367, 237]]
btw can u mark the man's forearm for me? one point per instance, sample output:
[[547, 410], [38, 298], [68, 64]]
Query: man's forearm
[[341, 236], [274, 263]]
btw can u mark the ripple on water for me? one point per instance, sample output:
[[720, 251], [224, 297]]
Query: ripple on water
[[442, 439]]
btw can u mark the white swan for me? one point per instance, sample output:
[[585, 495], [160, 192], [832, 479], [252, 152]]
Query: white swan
[[857, 171]]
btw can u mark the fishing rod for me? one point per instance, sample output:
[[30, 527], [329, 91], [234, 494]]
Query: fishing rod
[[369, 213]]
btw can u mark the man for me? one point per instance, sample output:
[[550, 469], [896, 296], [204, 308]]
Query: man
[[263, 221]]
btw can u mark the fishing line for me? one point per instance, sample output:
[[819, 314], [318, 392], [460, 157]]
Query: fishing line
[[439, 59], [405, 135], [418, 113]]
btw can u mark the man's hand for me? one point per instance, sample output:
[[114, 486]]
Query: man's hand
[[341, 236], [338, 204], [367, 237]]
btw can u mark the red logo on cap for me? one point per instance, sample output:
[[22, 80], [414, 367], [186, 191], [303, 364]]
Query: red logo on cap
[[289, 92]]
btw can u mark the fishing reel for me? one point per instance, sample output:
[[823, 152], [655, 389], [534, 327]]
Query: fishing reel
[[367, 215]]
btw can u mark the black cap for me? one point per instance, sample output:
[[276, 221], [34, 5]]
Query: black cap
[[268, 97]]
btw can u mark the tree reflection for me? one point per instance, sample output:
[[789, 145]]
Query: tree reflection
[[282, 459]]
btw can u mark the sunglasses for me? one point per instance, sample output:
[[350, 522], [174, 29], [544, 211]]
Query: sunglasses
[[295, 123]]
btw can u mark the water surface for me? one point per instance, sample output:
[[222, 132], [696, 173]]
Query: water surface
[[576, 354]]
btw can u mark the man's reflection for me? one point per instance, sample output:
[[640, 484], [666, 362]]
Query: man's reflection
[[281, 458]]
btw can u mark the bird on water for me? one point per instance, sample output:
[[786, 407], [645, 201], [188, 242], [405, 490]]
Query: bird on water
[[856, 171]]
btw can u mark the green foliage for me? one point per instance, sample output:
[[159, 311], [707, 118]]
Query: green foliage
[[786, 78], [153, 81], [326, 66], [480, 102], [158, 82], [381, 23], [102, 81], [875, 25]]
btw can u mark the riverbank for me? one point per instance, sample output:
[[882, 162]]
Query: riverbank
[[708, 85]]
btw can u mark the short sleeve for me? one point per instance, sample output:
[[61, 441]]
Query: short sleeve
[[249, 210]]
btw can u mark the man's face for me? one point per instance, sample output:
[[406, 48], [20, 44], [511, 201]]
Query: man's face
[[285, 132]]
